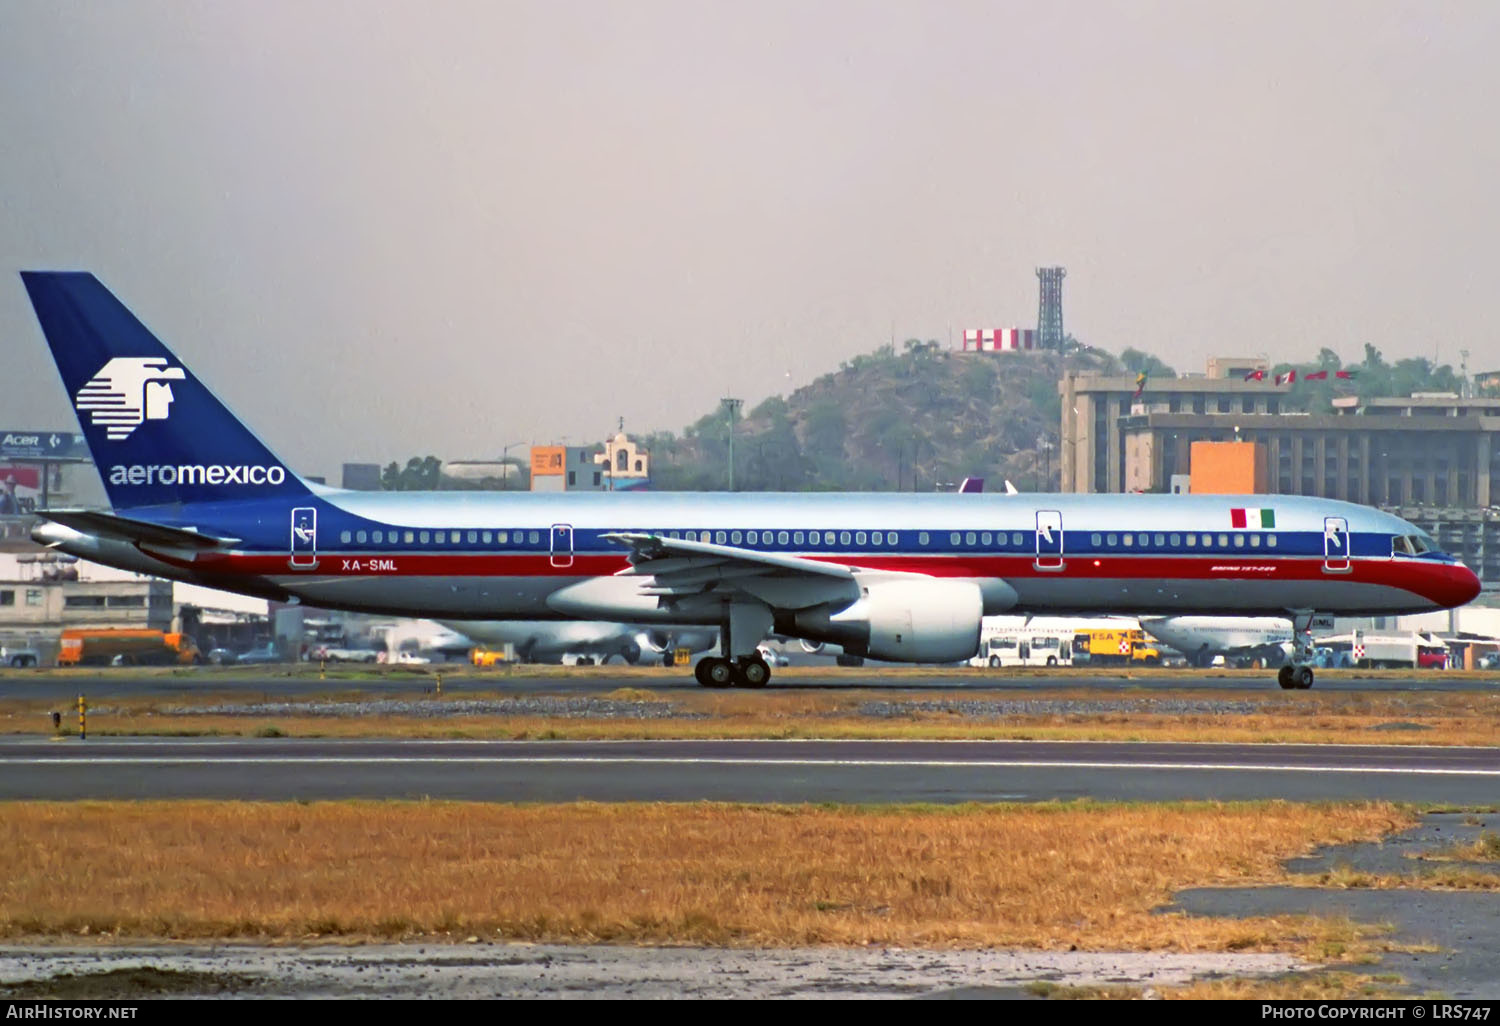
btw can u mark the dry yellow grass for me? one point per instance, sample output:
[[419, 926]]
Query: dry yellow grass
[[1049, 876], [1426, 718]]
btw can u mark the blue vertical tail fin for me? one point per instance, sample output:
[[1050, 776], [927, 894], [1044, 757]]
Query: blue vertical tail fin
[[158, 435]]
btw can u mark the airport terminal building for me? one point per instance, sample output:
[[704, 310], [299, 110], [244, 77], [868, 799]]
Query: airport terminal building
[[1432, 459]]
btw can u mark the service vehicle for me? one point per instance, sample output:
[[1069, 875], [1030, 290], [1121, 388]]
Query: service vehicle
[[124, 647], [1117, 646]]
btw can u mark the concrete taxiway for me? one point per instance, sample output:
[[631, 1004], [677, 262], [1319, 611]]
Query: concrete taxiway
[[755, 771]]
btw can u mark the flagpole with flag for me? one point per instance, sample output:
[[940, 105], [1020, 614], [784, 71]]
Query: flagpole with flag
[[1140, 384]]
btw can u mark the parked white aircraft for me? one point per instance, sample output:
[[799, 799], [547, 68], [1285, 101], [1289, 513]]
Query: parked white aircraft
[[1201, 638], [548, 641]]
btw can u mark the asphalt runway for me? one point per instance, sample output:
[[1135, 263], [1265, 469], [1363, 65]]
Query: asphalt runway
[[742, 771], [125, 684]]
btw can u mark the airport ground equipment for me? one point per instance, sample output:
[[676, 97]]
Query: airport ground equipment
[[120, 647]]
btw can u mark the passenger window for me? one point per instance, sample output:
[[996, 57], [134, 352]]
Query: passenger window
[[455, 537], [1223, 541], [1270, 541], [345, 537], [1192, 540], [921, 537], [409, 537], [533, 537], [753, 538], [1015, 539], [1111, 540], [782, 537], [859, 537], [379, 536], [424, 536], [1255, 541], [1160, 540], [1208, 541], [953, 538], [797, 538], [1094, 539], [984, 539], [486, 537], [1145, 540], [473, 537], [1176, 540], [969, 538], [1239, 541], [719, 537], [735, 537], [360, 536]]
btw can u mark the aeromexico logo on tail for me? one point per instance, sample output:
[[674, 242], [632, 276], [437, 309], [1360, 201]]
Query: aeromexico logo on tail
[[130, 390], [127, 392]]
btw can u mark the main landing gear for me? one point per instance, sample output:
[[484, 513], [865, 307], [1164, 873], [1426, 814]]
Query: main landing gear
[[741, 620], [744, 672], [1298, 674]]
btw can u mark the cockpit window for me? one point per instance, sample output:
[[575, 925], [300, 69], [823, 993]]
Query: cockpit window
[[1412, 544]]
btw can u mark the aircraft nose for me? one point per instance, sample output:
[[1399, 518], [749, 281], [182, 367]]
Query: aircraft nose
[[1454, 585]]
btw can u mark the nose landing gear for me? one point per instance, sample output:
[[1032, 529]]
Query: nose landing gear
[[1298, 675]]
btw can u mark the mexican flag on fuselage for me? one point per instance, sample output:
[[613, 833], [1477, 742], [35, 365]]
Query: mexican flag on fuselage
[[1253, 519]]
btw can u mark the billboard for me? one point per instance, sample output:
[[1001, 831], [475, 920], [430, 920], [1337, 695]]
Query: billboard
[[42, 445]]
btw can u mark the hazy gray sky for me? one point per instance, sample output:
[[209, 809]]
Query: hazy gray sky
[[379, 229]]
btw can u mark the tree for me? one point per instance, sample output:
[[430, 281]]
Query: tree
[[419, 475], [1137, 362], [1328, 359]]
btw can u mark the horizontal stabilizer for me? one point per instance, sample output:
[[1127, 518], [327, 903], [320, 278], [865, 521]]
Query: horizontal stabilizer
[[109, 525]]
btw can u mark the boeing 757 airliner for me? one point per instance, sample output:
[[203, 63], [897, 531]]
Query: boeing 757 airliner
[[197, 497]]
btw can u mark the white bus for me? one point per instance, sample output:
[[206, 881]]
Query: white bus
[[1024, 644]]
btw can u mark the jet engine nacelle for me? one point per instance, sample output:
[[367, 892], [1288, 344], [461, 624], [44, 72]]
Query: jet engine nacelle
[[811, 647], [909, 621]]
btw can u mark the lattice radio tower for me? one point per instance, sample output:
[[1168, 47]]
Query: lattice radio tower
[[1049, 322]]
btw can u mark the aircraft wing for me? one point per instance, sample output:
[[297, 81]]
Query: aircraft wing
[[114, 526], [680, 570], [658, 556]]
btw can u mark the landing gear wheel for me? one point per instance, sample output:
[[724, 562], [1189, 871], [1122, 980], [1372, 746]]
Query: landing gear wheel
[[754, 673], [1284, 677], [1304, 677], [714, 672], [994, 662], [668, 659]]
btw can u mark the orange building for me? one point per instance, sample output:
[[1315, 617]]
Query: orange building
[[1228, 468]]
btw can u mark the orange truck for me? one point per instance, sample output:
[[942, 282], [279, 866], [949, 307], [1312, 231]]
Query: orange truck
[[126, 648]]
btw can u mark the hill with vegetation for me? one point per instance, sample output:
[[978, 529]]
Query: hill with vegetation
[[922, 417], [914, 419]]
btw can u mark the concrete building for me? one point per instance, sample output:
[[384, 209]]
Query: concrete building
[[361, 477], [1431, 458], [34, 611], [626, 465], [565, 468]]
